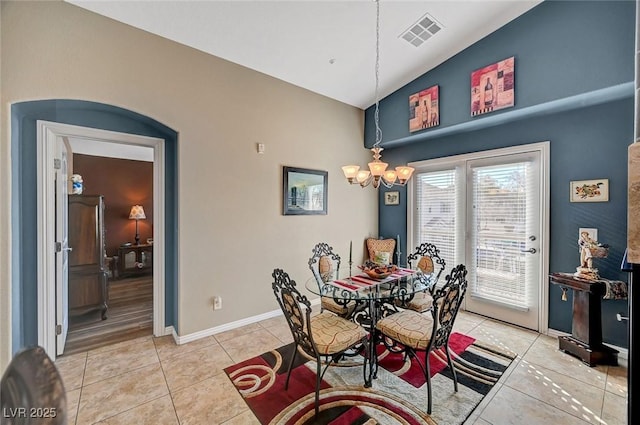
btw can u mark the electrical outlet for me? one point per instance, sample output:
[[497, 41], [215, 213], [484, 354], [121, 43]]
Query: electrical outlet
[[217, 303]]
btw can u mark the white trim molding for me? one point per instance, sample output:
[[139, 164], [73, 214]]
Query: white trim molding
[[47, 134], [226, 327], [231, 325]]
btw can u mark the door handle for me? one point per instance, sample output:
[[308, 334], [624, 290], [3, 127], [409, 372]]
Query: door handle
[[530, 250], [68, 249]]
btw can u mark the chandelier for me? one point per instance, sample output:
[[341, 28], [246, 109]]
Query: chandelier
[[378, 172]]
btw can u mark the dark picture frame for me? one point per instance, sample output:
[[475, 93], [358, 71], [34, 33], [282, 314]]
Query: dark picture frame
[[304, 191]]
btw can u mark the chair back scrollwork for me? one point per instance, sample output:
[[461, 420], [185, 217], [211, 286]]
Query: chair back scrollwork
[[324, 263], [426, 258], [296, 309], [446, 303]]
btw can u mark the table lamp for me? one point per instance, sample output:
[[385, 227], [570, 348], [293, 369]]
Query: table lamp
[[137, 213]]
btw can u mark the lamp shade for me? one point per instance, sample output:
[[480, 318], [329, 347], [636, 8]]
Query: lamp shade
[[137, 213]]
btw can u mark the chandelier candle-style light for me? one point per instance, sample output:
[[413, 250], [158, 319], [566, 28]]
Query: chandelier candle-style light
[[378, 172]]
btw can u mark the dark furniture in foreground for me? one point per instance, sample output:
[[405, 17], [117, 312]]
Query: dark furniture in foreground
[[585, 341], [31, 391], [87, 269]]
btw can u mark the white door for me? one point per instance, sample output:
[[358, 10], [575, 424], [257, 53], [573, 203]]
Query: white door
[[62, 239], [503, 238], [487, 210]]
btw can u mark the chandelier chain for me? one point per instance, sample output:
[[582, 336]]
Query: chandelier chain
[[377, 174], [376, 117]]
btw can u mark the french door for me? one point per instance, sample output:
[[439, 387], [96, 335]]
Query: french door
[[487, 210]]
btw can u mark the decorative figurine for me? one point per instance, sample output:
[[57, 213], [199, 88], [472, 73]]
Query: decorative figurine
[[76, 184], [589, 249]]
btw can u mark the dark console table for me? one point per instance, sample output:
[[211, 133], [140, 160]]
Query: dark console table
[[585, 341], [135, 260]]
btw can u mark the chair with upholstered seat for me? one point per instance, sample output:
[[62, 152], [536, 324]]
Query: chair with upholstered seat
[[325, 266], [423, 333], [31, 390], [324, 337], [381, 250], [425, 258]]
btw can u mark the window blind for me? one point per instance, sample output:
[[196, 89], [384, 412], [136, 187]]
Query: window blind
[[500, 211], [436, 213]]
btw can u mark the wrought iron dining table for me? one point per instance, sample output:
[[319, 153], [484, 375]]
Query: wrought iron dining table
[[370, 299]]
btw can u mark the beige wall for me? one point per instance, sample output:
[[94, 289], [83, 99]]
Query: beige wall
[[231, 231]]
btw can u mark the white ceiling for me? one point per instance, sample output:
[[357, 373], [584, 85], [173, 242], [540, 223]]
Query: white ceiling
[[295, 41]]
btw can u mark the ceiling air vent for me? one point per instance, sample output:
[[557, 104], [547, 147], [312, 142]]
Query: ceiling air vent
[[422, 30]]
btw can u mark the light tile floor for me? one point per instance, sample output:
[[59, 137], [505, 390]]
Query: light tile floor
[[154, 381]]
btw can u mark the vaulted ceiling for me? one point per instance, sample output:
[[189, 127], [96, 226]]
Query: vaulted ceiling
[[327, 47]]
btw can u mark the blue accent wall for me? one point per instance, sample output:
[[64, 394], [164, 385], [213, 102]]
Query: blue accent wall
[[24, 198], [573, 87]]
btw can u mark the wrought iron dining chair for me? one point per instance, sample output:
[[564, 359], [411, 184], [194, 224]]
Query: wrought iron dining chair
[[426, 258], [32, 391], [325, 266], [417, 333], [324, 337]]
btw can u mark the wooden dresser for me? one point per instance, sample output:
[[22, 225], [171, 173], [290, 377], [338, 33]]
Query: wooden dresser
[[87, 268]]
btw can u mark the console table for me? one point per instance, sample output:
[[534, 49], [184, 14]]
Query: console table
[[585, 341], [135, 260]]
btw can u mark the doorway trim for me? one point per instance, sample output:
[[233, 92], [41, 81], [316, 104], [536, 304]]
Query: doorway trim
[[47, 134]]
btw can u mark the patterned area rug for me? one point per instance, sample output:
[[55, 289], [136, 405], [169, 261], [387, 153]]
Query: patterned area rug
[[398, 394]]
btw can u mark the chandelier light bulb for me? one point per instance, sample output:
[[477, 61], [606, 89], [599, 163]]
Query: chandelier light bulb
[[389, 176], [350, 171], [362, 176]]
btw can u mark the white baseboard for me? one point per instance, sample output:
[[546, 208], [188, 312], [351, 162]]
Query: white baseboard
[[623, 353], [183, 339]]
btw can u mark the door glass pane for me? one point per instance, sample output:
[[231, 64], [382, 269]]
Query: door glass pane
[[436, 215], [500, 210]]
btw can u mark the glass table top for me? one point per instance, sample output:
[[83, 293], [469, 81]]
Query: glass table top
[[401, 284]]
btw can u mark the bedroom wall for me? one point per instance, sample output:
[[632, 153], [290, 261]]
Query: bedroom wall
[[123, 183], [231, 231]]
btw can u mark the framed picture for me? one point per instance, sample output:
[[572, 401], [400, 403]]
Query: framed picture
[[590, 232], [590, 190], [304, 191], [492, 87], [423, 109], [392, 198]]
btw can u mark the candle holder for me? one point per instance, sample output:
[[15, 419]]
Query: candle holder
[[350, 256]]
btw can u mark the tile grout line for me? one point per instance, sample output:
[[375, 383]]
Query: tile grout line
[[84, 371], [164, 375]]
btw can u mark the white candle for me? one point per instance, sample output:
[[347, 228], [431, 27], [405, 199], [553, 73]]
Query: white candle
[[398, 249]]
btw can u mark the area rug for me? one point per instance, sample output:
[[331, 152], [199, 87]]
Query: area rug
[[398, 394]]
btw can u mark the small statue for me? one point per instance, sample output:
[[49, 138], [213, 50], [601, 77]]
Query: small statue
[[586, 244], [589, 249], [76, 184]]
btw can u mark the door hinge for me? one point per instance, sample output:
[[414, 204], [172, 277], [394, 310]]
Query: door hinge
[[58, 246], [58, 329], [56, 163]]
